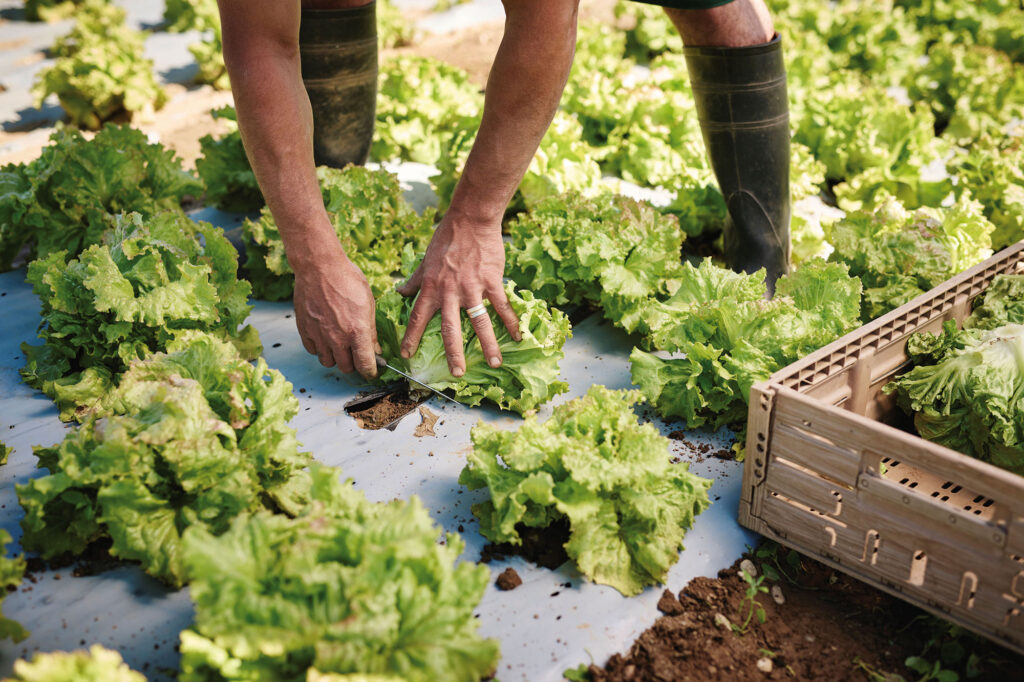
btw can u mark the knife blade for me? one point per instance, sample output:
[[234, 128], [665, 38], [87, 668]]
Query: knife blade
[[382, 363]]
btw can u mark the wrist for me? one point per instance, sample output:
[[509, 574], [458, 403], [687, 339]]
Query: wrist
[[313, 247]]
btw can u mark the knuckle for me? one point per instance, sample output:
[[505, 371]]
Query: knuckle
[[449, 328]]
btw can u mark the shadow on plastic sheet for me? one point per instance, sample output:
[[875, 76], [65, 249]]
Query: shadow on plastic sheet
[[30, 118]]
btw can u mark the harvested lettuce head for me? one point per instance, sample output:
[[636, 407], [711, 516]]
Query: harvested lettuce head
[[966, 390], [95, 665], [627, 504], [119, 301], [194, 436], [67, 199], [348, 587], [971, 398], [528, 375], [374, 224]]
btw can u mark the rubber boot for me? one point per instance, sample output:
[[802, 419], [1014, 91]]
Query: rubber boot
[[744, 116], [338, 50]]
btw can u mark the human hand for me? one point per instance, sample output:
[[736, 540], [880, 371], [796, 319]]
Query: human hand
[[463, 265], [334, 312]]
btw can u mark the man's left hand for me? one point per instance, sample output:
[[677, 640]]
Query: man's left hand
[[463, 265]]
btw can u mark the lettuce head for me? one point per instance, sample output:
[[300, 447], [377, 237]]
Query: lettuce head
[[627, 504], [98, 664], [528, 375], [193, 436], [131, 296], [349, 587]]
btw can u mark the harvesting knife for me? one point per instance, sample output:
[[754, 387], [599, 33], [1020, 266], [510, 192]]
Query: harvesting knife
[[383, 364]]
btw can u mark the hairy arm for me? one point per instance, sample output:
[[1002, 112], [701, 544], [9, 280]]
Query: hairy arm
[[334, 309], [466, 258]]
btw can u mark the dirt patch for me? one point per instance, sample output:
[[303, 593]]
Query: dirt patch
[[427, 421], [541, 546], [827, 627], [508, 580], [381, 409]]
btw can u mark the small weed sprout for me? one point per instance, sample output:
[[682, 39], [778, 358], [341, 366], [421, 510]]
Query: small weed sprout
[[755, 587]]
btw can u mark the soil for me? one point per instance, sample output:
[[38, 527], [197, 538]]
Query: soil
[[508, 580], [541, 546], [828, 627], [383, 411]]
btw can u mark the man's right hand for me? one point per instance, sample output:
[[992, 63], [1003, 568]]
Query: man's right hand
[[334, 311]]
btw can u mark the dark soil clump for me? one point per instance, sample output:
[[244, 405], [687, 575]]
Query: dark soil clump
[[829, 626], [541, 546], [508, 580]]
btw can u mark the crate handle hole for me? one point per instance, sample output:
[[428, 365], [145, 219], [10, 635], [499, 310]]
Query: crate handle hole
[[871, 542], [917, 568], [968, 588]]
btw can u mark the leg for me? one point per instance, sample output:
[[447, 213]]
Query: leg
[[735, 64], [338, 49], [736, 24]]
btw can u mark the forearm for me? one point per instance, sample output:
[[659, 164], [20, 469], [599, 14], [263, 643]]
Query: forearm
[[523, 91], [276, 122]]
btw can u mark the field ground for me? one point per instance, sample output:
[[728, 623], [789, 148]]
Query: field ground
[[828, 627]]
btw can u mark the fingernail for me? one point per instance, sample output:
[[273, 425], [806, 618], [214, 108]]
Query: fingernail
[[458, 371], [494, 361], [406, 354]]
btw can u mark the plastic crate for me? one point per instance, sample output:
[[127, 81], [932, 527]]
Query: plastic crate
[[932, 526]]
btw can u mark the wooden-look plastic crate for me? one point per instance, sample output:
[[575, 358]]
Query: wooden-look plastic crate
[[932, 526]]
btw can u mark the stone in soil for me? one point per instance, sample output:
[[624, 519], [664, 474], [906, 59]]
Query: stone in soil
[[508, 580]]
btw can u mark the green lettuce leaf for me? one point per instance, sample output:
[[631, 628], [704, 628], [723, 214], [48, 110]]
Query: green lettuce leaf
[[528, 375], [51, 10], [420, 102], [730, 337], [98, 664], [371, 218], [190, 15], [972, 398], [224, 168], [118, 302], [900, 254], [12, 570], [1001, 304], [609, 250], [100, 72], [627, 504], [196, 435], [67, 198], [992, 172], [563, 162], [393, 28], [347, 587]]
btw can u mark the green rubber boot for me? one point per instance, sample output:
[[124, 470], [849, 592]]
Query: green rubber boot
[[744, 115], [338, 50]]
